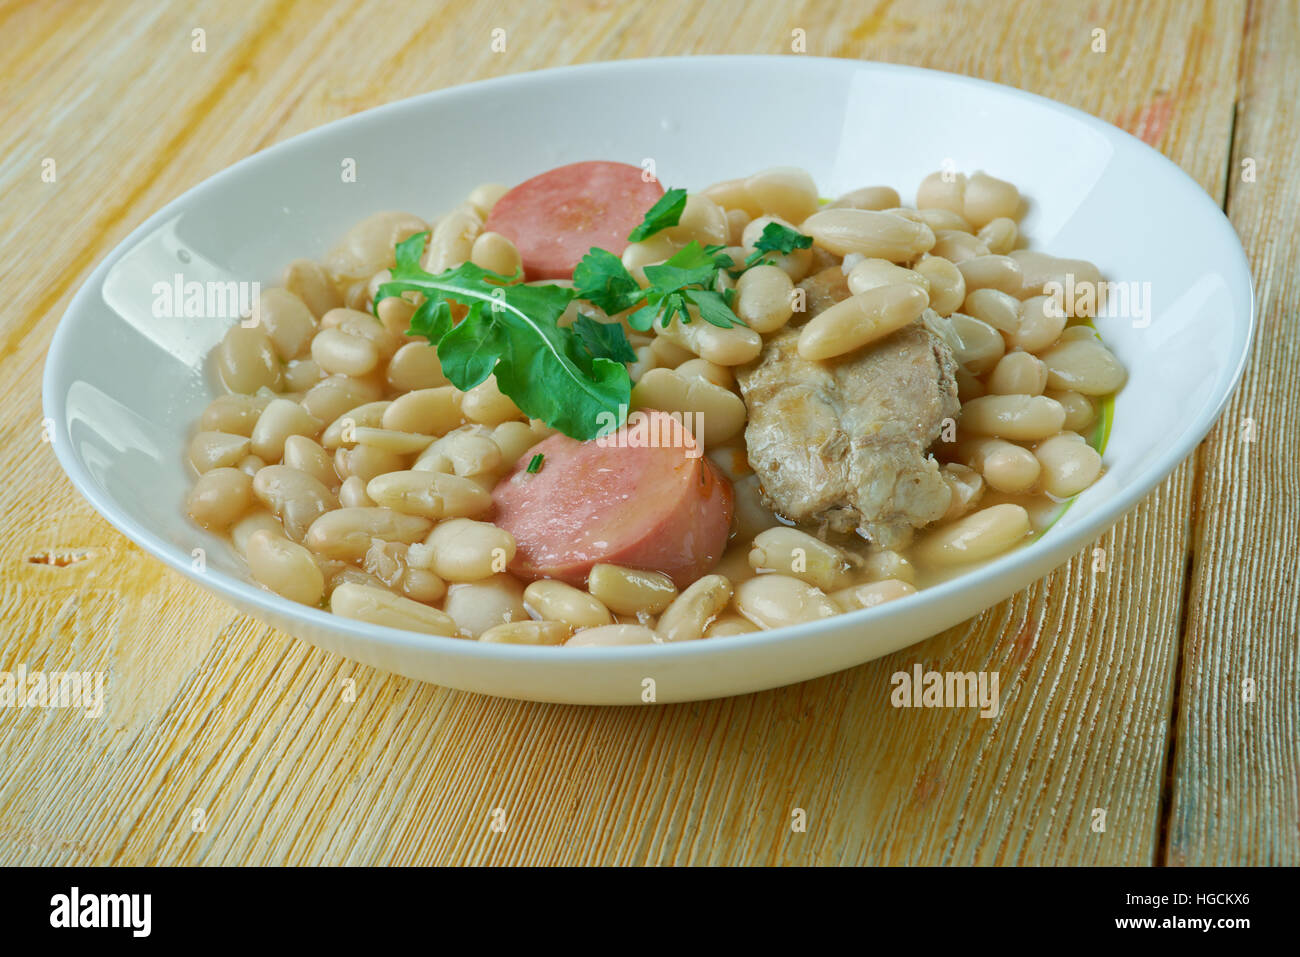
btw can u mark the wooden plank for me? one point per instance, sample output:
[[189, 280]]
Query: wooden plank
[[209, 710], [1236, 777]]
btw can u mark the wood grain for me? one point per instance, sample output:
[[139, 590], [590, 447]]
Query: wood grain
[[1238, 756], [208, 710]]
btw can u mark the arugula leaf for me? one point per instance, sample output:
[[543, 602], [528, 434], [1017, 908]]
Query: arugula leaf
[[663, 214], [601, 280], [604, 339], [513, 331], [777, 239]]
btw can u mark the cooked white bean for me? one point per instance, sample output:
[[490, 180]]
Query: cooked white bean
[[429, 494], [465, 453], [630, 591], [874, 273], [514, 439], [330, 398], [528, 633], [726, 347], [1040, 325], [692, 611], [367, 461], [250, 464], [453, 239], [944, 189], [979, 346], [368, 246], [702, 220], [285, 567], [288, 322], [247, 361], [732, 194], [465, 550], [306, 455], [343, 429], [946, 284], [861, 320], [763, 298], [721, 412], [352, 493], [1019, 417], [608, 636], [976, 537], [1018, 373], [309, 282], [480, 605], [495, 253], [792, 552], [256, 520], [301, 374], [1000, 310], [795, 264], [1005, 466], [379, 606], [957, 246], [1080, 411], [1070, 465], [235, 414], [556, 601], [775, 601], [392, 440], [485, 404], [336, 351], [725, 626], [295, 497], [999, 235], [668, 354], [785, 191], [434, 411], [1038, 269], [345, 534], [1085, 366], [485, 195], [868, 197], [215, 450], [872, 594], [415, 366], [219, 497], [708, 371], [873, 234], [280, 420], [991, 272], [988, 198]]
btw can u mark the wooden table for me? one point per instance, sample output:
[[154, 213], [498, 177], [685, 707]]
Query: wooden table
[[1122, 689]]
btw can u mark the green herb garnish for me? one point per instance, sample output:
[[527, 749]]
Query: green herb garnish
[[565, 376], [666, 212], [535, 464], [689, 278], [776, 239]]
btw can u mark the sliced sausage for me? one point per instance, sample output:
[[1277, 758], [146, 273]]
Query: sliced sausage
[[664, 508], [554, 218]]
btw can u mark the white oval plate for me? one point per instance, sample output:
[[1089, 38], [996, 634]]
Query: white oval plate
[[124, 388]]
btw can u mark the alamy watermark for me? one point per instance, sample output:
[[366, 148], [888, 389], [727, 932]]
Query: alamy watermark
[[22, 688], [1099, 300], [946, 689], [179, 299], [665, 430]]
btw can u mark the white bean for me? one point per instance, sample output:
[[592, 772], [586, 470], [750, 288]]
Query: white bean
[[776, 601]]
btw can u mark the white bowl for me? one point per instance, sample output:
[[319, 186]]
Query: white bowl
[[123, 388]]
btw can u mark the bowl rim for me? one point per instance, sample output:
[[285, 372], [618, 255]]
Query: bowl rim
[[1016, 562]]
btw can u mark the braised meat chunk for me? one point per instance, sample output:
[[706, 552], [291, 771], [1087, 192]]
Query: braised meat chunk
[[842, 444]]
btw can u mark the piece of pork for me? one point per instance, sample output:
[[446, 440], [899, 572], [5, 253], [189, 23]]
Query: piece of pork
[[842, 444]]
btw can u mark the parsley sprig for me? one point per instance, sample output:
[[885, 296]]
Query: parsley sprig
[[570, 375], [564, 375]]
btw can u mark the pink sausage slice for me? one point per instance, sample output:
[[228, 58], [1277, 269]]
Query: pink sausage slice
[[554, 218], [596, 501]]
